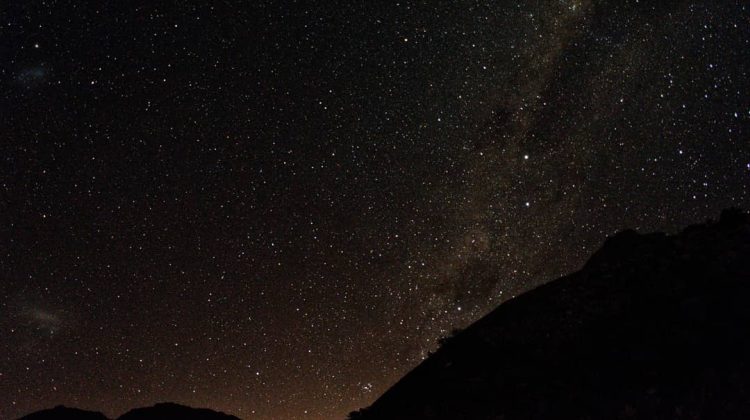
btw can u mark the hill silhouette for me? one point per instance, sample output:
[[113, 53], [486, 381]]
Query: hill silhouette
[[64, 413], [653, 326], [169, 411], [162, 411]]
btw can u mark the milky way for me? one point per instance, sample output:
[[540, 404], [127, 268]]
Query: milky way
[[276, 210]]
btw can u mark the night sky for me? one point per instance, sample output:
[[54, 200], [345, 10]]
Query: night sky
[[275, 208]]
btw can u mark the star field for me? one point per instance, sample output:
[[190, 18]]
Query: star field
[[276, 209]]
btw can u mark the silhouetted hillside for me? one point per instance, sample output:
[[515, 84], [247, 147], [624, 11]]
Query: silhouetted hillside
[[164, 411], [653, 326], [64, 413], [168, 411]]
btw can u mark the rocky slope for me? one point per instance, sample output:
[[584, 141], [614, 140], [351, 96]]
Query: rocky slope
[[653, 326]]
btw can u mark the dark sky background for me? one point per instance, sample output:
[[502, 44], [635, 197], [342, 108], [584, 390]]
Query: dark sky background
[[275, 208]]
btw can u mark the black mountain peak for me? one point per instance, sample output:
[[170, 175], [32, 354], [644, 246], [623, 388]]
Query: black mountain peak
[[653, 326], [161, 411]]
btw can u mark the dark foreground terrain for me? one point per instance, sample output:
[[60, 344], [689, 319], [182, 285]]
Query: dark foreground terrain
[[165, 411], [653, 327]]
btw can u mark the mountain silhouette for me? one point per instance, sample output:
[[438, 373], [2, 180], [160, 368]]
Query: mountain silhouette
[[162, 411], [653, 326], [64, 413], [169, 411]]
